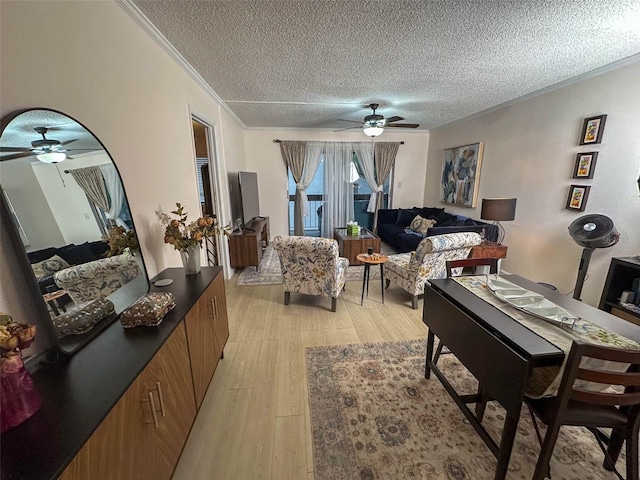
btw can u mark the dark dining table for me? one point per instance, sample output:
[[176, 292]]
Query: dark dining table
[[500, 352]]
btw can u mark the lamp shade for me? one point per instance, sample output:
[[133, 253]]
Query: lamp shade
[[498, 209]]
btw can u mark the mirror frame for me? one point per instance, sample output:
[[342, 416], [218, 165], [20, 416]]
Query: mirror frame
[[25, 265]]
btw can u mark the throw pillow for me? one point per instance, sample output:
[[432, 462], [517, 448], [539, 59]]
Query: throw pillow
[[405, 216], [444, 219], [48, 267], [421, 225], [429, 212]]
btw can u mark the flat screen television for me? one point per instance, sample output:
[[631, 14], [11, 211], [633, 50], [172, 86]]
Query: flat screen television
[[249, 198]]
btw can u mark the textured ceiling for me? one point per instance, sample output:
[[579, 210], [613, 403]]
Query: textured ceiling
[[303, 63]]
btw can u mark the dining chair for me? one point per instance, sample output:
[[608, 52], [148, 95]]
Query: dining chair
[[576, 405], [492, 263]]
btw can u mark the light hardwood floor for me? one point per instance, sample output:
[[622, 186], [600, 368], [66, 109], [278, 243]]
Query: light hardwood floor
[[254, 421]]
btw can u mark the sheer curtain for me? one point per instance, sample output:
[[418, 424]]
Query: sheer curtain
[[337, 207], [364, 151], [116, 193], [384, 158], [294, 154]]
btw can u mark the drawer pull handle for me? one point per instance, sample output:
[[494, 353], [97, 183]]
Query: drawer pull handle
[[161, 398], [215, 303], [152, 404], [213, 312]]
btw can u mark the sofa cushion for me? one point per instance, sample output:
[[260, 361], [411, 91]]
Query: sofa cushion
[[421, 225], [48, 267], [39, 255], [429, 212], [77, 254], [389, 231], [444, 219], [406, 242], [99, 249], [405, 216]]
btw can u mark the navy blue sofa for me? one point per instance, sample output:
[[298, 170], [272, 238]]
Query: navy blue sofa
[[393, 226]]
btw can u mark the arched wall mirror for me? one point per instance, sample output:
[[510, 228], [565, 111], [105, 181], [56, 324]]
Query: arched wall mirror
[[65, 208]]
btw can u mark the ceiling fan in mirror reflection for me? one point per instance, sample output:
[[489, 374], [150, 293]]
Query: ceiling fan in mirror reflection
[[47, 150]]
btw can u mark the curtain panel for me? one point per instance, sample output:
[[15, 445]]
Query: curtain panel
[[384, 158], [293, 153], [91, 181]]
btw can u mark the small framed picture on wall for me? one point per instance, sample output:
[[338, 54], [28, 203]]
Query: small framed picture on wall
[[592, 130], [585, 165], [577, 199]]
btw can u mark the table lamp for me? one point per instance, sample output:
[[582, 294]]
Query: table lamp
[[498, 209]]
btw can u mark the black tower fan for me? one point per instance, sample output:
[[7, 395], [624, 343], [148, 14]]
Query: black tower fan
[[591, 232]]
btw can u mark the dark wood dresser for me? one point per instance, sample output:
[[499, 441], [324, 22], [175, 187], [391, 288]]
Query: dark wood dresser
[[123, 406]]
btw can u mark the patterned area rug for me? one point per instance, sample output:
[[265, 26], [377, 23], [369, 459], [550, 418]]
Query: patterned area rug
[[375, 416], [269, 272]]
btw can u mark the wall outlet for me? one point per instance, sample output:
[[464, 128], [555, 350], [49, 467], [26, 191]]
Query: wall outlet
[[399, 185], [87, 216]]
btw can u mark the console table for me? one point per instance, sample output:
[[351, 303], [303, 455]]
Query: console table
[[622, 272], [247, 245], [124, 404]]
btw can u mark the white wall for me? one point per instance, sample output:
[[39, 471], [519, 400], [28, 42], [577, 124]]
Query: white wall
[[529, 153], [97, 65], [263, 157]]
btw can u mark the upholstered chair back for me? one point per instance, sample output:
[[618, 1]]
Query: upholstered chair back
[[311, 265], [93, 280], [412, 270]]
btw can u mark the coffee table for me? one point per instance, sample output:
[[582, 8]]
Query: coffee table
[[52, 299], [352, 245]]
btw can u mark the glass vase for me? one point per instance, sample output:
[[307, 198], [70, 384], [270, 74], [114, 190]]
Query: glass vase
[[191, 260], [19, 399]]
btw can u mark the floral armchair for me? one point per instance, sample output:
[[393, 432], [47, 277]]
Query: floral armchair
[[412, 270], [97, 279], [311, 266]]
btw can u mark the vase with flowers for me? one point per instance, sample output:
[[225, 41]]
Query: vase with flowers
[[187, 237], [123, 241], [19, 399]]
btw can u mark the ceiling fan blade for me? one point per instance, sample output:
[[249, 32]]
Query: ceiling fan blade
[[348, 128], [393, 119], [69, 141], [16, 155], [404, 125], [352, 121], [14, 149]]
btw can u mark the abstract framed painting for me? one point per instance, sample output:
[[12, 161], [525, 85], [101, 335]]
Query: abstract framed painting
[[461, 174], [592, 130], [577, 199], [585, 165]]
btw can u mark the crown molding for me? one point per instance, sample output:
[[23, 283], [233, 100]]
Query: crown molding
[[557, 86], [140, 18]]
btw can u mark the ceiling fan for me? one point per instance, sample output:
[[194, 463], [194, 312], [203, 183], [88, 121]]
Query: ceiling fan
[[374, 124], [47, 150]]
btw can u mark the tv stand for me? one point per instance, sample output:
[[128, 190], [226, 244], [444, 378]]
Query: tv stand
[[246, 247]]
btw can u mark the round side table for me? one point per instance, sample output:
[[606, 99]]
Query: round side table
[[368, 260]]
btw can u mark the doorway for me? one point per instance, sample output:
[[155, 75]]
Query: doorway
[[205, 171]]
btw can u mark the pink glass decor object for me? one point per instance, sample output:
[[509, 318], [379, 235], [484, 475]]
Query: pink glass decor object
[[19, 399]]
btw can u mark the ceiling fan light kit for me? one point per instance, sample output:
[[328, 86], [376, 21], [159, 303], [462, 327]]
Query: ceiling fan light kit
[[52, 157], [373, 131]]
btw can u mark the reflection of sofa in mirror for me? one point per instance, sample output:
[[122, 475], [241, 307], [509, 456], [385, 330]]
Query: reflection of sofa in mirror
[[97, 279], [46, 262]]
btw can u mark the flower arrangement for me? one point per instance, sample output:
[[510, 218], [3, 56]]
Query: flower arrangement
[[19, 399], [120, 240], [183, 235], [14, 336]]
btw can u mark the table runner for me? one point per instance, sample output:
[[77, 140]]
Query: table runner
[[546, 380]]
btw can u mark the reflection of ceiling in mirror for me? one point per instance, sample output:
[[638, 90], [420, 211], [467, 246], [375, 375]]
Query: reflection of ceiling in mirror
[[20, 133]]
